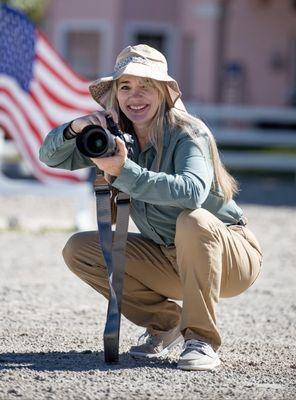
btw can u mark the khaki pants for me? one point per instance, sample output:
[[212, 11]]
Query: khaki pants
[[208, 261]]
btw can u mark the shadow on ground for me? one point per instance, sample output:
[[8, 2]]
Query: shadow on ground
[[75, 361]]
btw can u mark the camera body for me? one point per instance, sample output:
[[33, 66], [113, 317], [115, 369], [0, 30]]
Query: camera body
[[94, 141]]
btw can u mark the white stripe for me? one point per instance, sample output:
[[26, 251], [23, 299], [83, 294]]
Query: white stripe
[[57, 113], [41, 171], [59, 65], [34, 114], [22, 123], [59, 89], [27, 135], [19, 141]]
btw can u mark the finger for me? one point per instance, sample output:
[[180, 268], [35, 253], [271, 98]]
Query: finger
[[119, 141], [78, 124], [96, 118], [100, 118], [121, 149]]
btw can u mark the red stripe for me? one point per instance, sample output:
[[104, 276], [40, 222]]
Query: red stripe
[[68, 80], [77, 76], [43, 110], [18, 132], [23, 147], [56, 99], [15, 100], [39, 102], [54, 72], [31, 154]]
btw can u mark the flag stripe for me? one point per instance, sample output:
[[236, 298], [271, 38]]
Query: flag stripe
[[41, 172], [11, 94], [56, 113], [46, 52], [27, 129], [7, 122], [56, 93], [59, 89], [29, 148]]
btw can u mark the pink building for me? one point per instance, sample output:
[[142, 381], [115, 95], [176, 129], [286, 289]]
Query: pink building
[[233, 51]]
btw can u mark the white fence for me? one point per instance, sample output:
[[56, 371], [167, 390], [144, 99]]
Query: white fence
[[235, 126], [232, 126]]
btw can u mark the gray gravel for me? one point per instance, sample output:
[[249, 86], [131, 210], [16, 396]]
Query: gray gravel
[[51, 324]]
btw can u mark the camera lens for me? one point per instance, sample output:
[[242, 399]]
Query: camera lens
[[94, 141]]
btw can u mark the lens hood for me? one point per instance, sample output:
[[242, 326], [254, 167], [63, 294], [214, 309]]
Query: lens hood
[[95, 141]]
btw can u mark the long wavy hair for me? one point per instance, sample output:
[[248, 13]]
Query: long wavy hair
[[223, 183]]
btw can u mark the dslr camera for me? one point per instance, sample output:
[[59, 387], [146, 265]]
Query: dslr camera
[[95, 141]]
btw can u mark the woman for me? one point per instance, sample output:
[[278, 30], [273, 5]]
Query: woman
[[193, 243]]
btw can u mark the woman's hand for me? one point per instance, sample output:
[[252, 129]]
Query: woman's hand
[[113, 165], [96, 118]]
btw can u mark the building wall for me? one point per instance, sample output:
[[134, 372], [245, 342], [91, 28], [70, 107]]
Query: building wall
[[199, 22], [260, 35], [154, 18], [82, 16], [244, 55]]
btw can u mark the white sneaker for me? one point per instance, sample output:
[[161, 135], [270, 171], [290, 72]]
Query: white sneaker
[[157, 345], [198, 356]]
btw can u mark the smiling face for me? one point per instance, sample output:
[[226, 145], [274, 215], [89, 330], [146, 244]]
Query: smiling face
[[138, 99]]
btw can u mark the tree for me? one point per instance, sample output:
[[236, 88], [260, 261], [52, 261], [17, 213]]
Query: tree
[[34, 9]]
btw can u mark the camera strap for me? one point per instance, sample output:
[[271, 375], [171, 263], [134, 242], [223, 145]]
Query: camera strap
[[114, 255]]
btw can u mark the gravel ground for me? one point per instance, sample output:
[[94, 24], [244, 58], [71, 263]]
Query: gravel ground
[[52, 324]]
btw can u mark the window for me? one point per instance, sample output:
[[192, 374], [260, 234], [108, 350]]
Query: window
[[154, 40], [82, 52], [162, 36]]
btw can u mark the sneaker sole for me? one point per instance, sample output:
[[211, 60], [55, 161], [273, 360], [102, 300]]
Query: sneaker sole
[[160, 354], [191, 366]]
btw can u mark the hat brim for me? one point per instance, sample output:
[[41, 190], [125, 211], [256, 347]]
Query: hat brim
[[100, 88]]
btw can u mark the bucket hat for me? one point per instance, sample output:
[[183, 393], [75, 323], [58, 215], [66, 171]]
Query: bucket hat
[[142, 61]]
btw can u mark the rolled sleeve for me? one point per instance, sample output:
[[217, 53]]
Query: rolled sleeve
[[60, 153]]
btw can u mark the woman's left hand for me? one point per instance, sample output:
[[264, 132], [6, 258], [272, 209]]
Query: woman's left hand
[[113, 165]]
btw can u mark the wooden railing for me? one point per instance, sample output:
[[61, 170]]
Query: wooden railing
[[243, 142], [252, 138]]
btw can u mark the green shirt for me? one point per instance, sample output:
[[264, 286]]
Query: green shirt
[[185, 180]]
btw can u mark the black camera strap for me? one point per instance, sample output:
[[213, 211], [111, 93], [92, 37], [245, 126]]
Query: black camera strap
[[114, 255]]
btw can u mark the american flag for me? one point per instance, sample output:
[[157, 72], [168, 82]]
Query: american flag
[[38, 91]]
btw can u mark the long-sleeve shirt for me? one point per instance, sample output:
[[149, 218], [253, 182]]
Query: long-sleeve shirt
[[184, 180]]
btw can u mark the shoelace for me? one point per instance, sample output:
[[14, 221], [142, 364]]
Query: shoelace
[[198, 345], [142, 338]]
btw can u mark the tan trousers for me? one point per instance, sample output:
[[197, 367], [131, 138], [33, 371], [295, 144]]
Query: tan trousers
[[208, 261]]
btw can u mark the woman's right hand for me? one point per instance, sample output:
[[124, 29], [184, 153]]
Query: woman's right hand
[[96, 118]]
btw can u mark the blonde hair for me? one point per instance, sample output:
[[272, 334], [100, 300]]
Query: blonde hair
[[223, 183]]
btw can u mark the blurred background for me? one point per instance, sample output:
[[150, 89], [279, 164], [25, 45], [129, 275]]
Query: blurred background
[[235, 61], [220, 51]]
